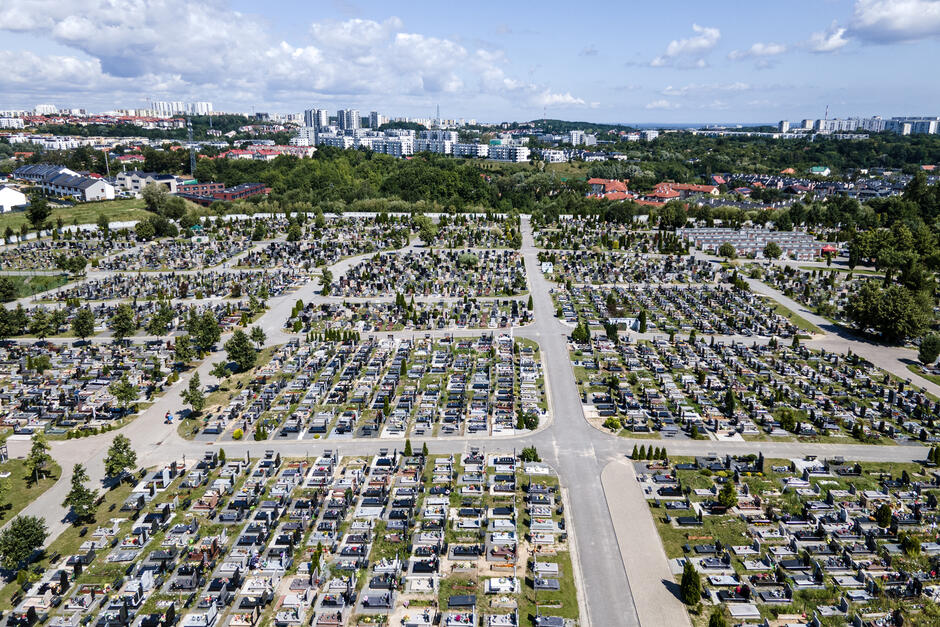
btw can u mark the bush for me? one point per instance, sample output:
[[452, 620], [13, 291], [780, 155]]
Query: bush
[[530, 454], [261, 434], [238, 434], [690, 587], [612, 423]]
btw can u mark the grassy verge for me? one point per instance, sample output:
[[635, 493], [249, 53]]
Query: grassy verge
[[70, 540], [120, 210], [27, 285], [801, 323], [19, 491], [923, 375]]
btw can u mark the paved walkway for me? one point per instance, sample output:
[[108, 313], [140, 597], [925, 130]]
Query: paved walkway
[[644, 559]]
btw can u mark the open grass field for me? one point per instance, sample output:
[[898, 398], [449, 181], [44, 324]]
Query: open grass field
[[19, 491], [29, 285], [84, 213]]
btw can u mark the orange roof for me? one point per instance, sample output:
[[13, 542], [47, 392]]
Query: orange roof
[[706, 189], [617, 196], [788, 171]]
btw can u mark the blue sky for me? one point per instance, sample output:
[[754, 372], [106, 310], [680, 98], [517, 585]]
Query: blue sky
[[669, 61]]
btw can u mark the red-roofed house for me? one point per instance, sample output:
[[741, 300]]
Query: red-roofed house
[[607, 186]]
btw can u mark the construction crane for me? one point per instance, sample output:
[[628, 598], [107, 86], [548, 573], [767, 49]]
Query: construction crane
[[192, 146]]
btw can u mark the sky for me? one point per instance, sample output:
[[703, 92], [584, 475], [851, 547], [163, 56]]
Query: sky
[[671, 61]]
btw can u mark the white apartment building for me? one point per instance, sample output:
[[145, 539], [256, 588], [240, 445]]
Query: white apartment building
[[348, 119], [46, 109], [433, 145], [480, 151], [11, 123], [553, 156], [439, 136], [516, 154], [201, 108], [337, 141], [394, 146]]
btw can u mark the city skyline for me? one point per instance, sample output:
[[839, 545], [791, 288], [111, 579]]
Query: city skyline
[[692, 63]]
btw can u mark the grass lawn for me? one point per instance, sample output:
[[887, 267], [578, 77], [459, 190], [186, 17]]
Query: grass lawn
[[916, 369], [18, 491], [29, 285], [119, 210], [69, 540], [801, 323], [730, 531]]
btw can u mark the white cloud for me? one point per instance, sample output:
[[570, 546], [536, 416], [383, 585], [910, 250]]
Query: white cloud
[[758, 50], [829, 40], [705, 87], [691, 50], [177, 48], [888, 21], [662, 104], [549, 99]]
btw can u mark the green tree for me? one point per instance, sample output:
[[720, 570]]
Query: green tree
[[642, 321], [183, 349], [80, 498], [124, 392], [193, 394], [220, 371], [239, 350], [883, 516], [929, 349], [530, 454], [727, 251], [120, 459], [727, 495], [294, 233], [258, 336], [207, 331], [83, 324], [407, 452], [38, 212], [7, 289], [19, 539], [159, 322], [690, 586], [729, 402], [145, 230], [427, 230], [39, 324], [38, 457], [155, 197], [772, 250], [326, 281], [717, 618], [122, 323]]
